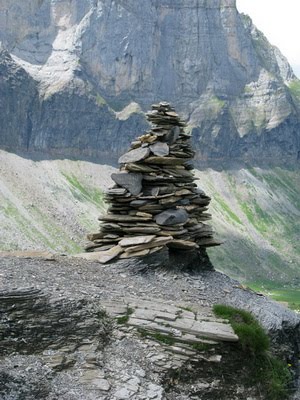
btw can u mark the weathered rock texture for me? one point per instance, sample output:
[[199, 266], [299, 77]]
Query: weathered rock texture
[[157, 339], [83, 60]]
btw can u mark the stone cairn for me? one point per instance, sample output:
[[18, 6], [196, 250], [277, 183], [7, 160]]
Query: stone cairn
[[155, 201]]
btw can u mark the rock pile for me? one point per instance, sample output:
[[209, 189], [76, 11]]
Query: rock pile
[[155, 201]]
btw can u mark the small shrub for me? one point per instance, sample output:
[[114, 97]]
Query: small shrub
[[201, 346], [252, 336], [123, 320], [268, 371], [275, 375], [159, 337]]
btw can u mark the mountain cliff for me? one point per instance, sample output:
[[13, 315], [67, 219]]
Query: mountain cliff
[[76, 74]]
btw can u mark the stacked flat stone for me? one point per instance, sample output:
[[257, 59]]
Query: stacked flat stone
[[155, 201]]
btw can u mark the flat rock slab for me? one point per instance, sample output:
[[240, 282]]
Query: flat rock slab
[[123, 218], [157, 242], [130, 181], [183, 245], [116, 191], [136, 240], [139, 168], [160, 149], [142, 230], [134, 155], [208, 242], [102, 257], [141, 253], [171, 217], [164, 160], [197, 325]]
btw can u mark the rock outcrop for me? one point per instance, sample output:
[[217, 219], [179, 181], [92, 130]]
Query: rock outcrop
[[87, 331], [86, 60]]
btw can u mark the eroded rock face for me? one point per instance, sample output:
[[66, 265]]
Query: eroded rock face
[[31, 322], [18, 103], [89, 58]]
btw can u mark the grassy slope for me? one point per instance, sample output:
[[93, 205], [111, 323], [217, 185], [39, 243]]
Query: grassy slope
[[49, 205], [53, 204], [257, 214]]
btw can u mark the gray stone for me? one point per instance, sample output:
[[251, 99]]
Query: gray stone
[[171, 217], [131, 182], [123, 218], [132, 167], [123, 393], [142, 230], [173, 135], [105, 256], [101, 384], [138, 203], [135, 155], [155, 392], [157, 242], [182, 245], [160, 149], [140, 253], [164, 160], [135, 240], [116, 191]]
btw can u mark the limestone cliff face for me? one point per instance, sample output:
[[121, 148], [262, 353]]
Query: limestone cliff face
[[92, 58]]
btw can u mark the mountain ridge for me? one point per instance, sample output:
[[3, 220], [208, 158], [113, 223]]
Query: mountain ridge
[[88, 60]]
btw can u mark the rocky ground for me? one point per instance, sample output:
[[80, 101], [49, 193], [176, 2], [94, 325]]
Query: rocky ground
[[53, 204], [57, 343]]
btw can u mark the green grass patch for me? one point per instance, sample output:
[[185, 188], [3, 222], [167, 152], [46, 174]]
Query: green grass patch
[[201, 346], [267, 371], [100, 100], [57, 236], [252, 336], [273, 374], [291, 296], [215, 100], [83, 193], [294, 88], [25, 226], [157, 336], [186, 308], [125, 318], [224, 207], [256, 216]]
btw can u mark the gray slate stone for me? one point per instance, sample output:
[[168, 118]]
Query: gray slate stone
[[131, 182], [160, 149], [171, 217], [173, 135], [136, 240], [135, 155]]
